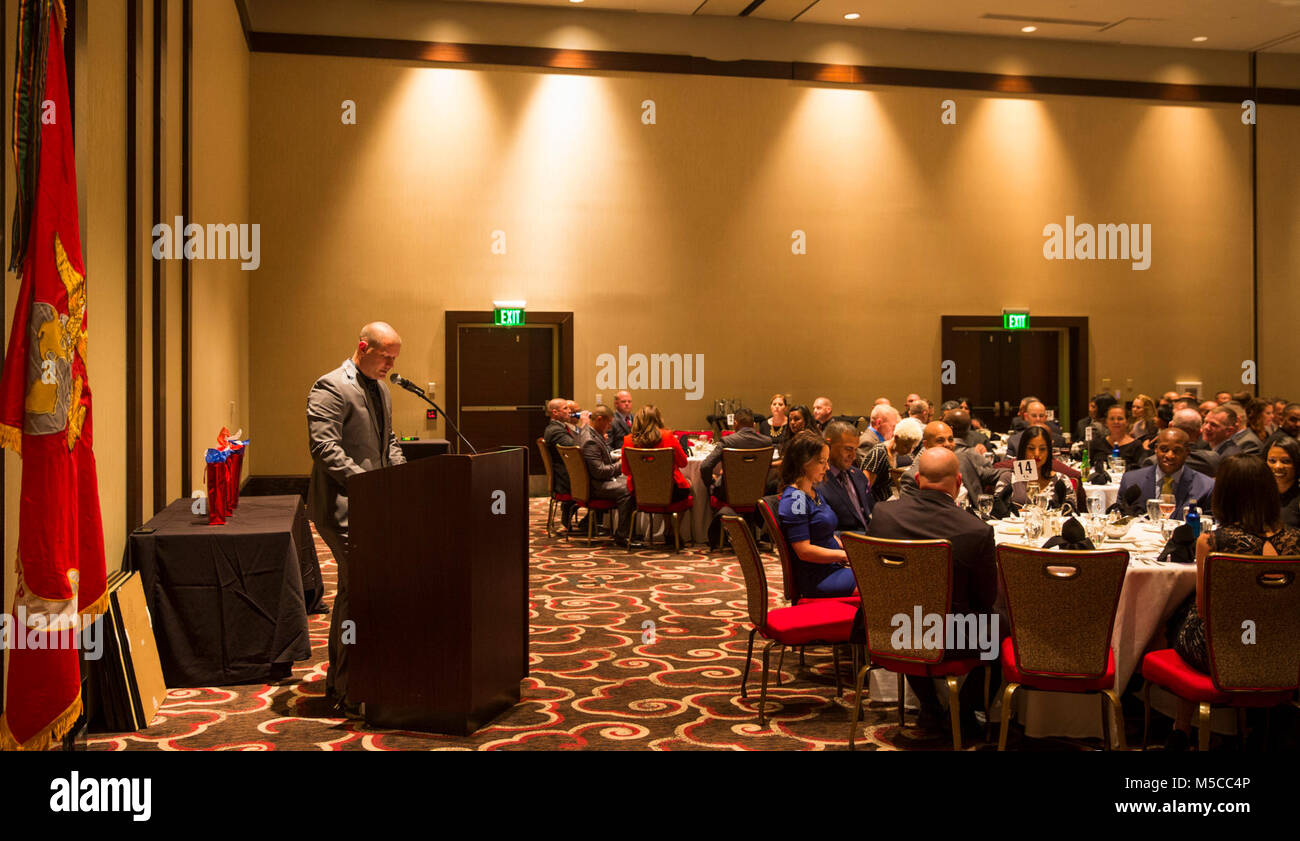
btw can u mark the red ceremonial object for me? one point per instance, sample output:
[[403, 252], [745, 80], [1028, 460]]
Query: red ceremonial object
[[218, 469], [45, 406]]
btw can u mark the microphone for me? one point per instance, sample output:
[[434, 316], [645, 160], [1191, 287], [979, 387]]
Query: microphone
[[398, 380]]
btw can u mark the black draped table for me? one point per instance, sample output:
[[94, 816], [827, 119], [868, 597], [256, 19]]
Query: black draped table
[[229, 603]]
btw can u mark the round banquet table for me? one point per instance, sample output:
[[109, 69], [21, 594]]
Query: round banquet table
[[1110, 492], [1149, 596]]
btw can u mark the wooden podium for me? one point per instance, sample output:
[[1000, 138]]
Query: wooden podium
[[438, 582]]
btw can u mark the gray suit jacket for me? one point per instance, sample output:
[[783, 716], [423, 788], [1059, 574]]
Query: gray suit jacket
[[974, 474], [747, 438], [344, 442], [1243, 442]]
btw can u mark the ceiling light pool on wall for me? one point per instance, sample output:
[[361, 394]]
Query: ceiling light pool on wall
[[852, 16], [1029, 29]]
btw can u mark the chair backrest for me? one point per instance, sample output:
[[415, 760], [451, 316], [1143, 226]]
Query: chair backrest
[[744, 472], [768, 506], [751, 564], [579, 483], [1252, 621], [909, 578], [652, 474], [546, 462], [1062, 607]]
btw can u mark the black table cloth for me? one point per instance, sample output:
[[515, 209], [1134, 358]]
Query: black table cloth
[[229, 603]]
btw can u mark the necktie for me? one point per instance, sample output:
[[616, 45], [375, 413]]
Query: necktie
[[853, 494], [1167, 486]]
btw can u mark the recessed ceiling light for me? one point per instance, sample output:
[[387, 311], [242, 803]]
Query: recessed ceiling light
[[852, 16], [1200, 38], [1029, 29]]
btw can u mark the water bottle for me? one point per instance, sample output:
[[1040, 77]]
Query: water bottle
[[1193, 518]]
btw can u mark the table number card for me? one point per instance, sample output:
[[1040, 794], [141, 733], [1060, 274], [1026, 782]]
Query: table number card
[[1025, 470]]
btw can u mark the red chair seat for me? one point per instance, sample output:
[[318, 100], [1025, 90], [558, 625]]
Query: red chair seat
[[1165, 668], [1056, 683], [597, 504], [718, 504], [824, 620], [562, 497], [941, 669], [671, 508], [854, 599]]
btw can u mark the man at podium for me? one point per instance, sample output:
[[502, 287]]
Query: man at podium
[[350, 423]]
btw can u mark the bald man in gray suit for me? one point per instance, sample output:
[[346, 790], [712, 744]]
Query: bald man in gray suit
[[350, 423]]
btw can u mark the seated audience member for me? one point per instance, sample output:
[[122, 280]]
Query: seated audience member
[[809, 523], [1117, 436], [1035, 414], [974, 474], [746, 437], [1223, 397], [884, 418], [1200, 457], [920, 409], [1097, 408], [1259, 420], [1164, 416], [622, 424], [822, 411], [777, 427], [1142, 417], [907, 404], [649, 433], [559, 431], [1222, 431], [906, 442], [1249, 517], [604, 472], [1288, 425], [1169, 475], [975, 423], [932, 513], [1283, 459], [1279, 407], [800, 419], [1168, 398], [1036, 444], [880, 400], [1186, 401], [1206, 407], [845, 488]]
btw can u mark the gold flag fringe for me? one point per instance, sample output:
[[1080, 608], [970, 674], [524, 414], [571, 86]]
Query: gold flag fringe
[[47, 735], [11, 438]]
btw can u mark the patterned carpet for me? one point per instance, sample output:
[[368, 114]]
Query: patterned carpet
[[601, 677]]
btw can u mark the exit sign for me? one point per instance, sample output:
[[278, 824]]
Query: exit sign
[[1015, 319], [508, 313]]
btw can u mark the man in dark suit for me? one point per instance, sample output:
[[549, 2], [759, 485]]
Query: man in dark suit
[[622, 425], [822, 409], [561, 430], [973, 472], [746, 437], [845, 488], [605, 473], [1222, 430], [1098, 406], [1288, 426], [1035, 414], [350, 427], [1200, 457], [1168, 475], [931, 513]]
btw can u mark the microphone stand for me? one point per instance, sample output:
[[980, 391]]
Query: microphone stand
[[419, 392]]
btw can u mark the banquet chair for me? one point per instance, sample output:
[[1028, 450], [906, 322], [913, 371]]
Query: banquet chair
[[817, 622], [580, 488], [899, 577], [1062, 607], [554, 499], [652, 481], [744, 479], [1261, 590]]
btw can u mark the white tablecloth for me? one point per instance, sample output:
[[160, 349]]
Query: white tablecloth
[[1111, 491], [1149, 596]]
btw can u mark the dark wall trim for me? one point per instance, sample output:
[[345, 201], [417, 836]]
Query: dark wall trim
[[245, 23], [1254, 230], [158, 268], [134, 292], [446, 53], [187, 277]]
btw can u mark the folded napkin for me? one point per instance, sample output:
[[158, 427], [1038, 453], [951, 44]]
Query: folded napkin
[[1181, 548], [1072, 538], [1099, 477]]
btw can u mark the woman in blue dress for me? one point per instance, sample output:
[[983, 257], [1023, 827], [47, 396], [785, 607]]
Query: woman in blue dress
[[820, 563]]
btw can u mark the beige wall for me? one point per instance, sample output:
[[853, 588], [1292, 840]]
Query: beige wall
[[906, 219]]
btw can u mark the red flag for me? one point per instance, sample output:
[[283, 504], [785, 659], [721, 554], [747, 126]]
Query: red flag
[[45, 412]]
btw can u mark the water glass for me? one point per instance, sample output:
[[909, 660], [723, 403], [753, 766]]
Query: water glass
[[1153, 510], [985, 503]]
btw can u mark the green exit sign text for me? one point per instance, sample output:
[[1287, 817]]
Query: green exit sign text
[[509, 316], [1015, 320]]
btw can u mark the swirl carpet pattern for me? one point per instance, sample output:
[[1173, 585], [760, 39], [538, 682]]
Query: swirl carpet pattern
[[627, 651]]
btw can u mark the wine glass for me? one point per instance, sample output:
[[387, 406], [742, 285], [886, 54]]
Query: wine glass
[[986, 505], [1167, 506], [1097, 505]]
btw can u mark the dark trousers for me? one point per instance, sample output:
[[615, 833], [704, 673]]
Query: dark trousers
[[971, 696], [616, 490], [336, 679]]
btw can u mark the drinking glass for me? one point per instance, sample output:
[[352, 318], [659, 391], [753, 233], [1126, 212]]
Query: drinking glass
[[1097, 505], [1167, 505], [1033, 525], [1153, 510], [986, 505], [1117, 467]]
